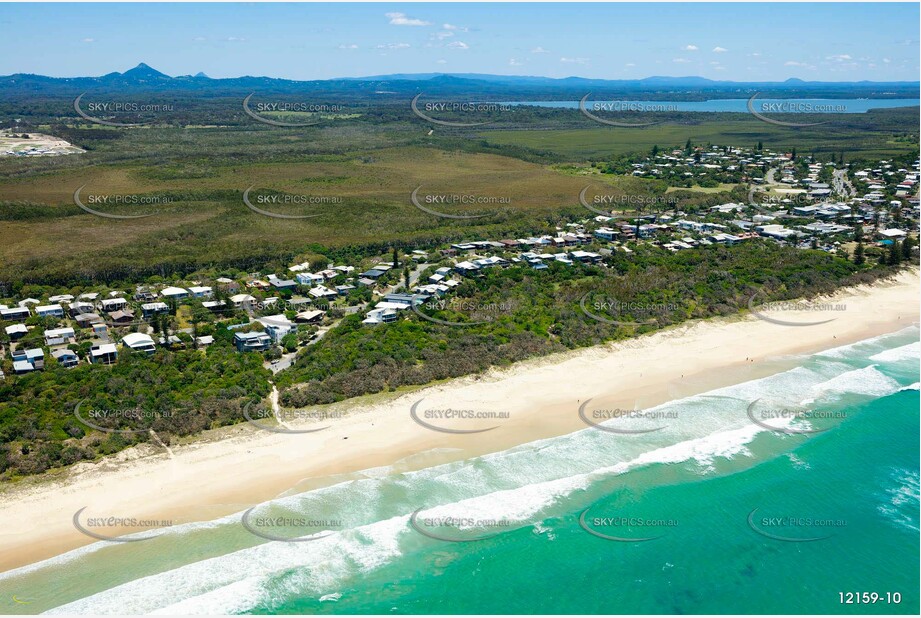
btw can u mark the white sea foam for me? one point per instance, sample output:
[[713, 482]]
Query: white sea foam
[[911, 351], [517, 485]]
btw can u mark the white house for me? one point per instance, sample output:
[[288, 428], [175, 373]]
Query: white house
[[139, 342], [45, 311], [58, 336]]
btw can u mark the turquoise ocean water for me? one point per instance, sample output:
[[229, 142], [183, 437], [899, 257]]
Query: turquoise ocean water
[[742, 519]]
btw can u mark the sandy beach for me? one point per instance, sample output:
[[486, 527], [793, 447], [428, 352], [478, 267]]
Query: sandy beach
[[241, 466]]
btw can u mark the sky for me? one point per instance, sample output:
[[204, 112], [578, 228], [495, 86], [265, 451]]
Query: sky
[[723, 41]]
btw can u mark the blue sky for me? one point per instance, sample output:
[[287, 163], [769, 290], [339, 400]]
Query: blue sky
[[733, 41]]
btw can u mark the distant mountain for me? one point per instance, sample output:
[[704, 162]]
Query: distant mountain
[[144, 78]]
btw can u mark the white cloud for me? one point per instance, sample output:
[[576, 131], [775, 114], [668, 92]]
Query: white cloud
[[689, 48], [794, 63], [89, 40], [630, 64], [352, 46], [573, 60], [838, 57], [514, 62], [393, 46], [400, 19], [680, 60], [453, 27], [199, 38], [444, 34], [457, 45], [441, 61], [539, 50], [886, 60], [719, 68], [235, 38], [714, 63], [719, 50]]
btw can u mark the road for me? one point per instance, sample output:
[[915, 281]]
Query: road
[[841, 184]]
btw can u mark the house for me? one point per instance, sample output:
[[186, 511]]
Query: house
[[252, 342], [79, 308], [14, 314], [204, 341], [214, 305], [322, 291], [344, 289], [605, 233], [121, 317], [201, 291], [587, 257], [380, 315], [139, 342], [405, 300], [309, 278], [20, 367], [61, 298], [101, 331], [16, 331], [113, 304], [49, 311], [103, 354], [144, 295], [84, 320], [65, 357], [59, 336], [242, 300], [174, 293], [310, 317], [282, 284], [374, 274], [892, 233], [35, 357], [149, 310], [277, 326]]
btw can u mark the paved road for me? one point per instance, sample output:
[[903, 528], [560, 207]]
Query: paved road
[[841, 184]]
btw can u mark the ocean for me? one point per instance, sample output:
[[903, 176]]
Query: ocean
[[732, 505]]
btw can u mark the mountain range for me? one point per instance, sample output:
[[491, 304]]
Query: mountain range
[[144, 78]]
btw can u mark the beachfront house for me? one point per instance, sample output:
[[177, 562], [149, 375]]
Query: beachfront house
[[252, 342], [59, 336], [66, 358], [139, 342], [103, 354]]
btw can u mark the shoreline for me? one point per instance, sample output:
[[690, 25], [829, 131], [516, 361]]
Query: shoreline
[[230, 469]]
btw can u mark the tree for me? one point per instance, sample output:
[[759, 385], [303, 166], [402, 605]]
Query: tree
[[406, 276], [396, 258], [655, 151], [793, 155], [760, 146], [859, 257], [688, 147], [895, 253], [906, 248]]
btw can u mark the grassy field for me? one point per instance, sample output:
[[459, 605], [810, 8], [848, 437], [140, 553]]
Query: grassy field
[[207, 222], [874, 135]]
